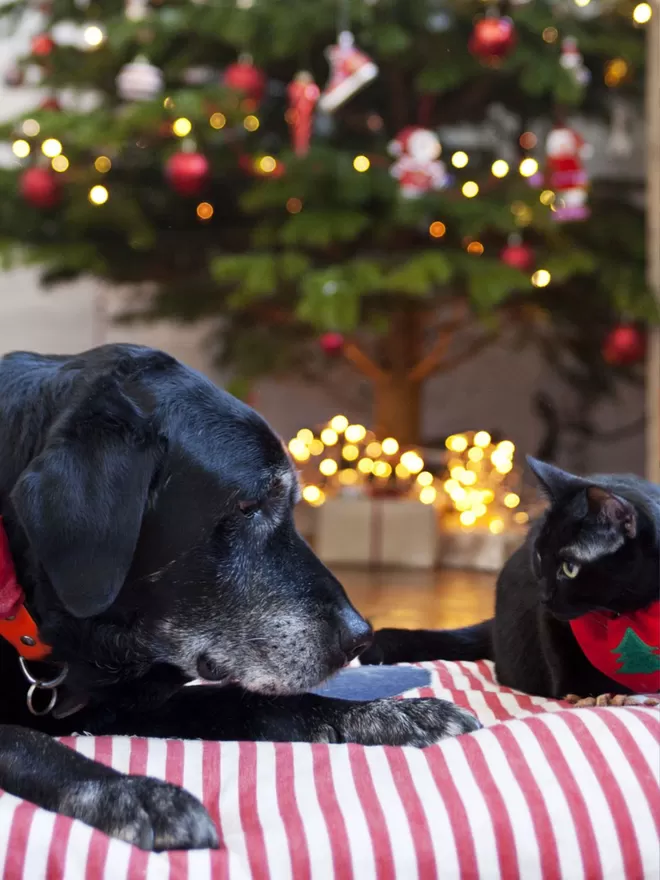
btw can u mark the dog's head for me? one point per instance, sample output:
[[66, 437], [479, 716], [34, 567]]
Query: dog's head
[[161, 511]]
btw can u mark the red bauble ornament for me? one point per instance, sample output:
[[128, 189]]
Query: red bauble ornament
[[187, 172], [492, 38], [624, 345], [332, 343], [40, 187], [42, 45], [244, 77], [518, 255]]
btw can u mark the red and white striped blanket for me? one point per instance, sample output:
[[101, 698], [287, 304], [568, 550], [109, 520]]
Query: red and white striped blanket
[[542, 792]]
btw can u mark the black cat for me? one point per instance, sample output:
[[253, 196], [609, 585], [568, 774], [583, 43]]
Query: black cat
[[596, 548]]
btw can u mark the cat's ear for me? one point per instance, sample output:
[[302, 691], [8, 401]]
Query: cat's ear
[[613, 509], [554, 482]]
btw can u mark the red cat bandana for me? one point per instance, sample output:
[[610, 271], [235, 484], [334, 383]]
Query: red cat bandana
[[625, 648]]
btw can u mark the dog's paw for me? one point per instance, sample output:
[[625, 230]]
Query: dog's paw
[[148, 813], [417, 723]]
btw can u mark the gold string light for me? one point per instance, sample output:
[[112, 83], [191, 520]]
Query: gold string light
[[361, 163], [98, 195]]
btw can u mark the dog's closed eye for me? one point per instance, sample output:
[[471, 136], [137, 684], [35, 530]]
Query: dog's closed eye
[[249, 508]]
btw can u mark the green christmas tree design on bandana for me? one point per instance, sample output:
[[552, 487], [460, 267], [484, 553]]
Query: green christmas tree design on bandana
[[636, 656]]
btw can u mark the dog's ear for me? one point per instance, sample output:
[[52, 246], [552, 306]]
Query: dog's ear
[[81, 501]]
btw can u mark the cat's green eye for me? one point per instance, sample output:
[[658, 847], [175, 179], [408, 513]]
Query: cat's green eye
[[570, 569]]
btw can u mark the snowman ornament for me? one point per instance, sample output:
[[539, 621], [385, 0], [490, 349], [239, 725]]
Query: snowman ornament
[[417, 167], [566, 175]]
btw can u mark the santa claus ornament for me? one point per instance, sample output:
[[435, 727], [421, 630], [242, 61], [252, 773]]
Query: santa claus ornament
[[418, 167], [303, 93], [350, 70], [572, 61], [566, 175]]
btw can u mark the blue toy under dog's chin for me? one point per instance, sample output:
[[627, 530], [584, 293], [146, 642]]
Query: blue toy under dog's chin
[[373, 682]]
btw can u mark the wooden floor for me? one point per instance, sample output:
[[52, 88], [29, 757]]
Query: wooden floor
[[413, 599]]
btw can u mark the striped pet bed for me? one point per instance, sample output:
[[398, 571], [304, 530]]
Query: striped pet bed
[[542, 792]]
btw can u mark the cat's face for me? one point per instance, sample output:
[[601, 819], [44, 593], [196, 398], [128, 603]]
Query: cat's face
[[588, 554]]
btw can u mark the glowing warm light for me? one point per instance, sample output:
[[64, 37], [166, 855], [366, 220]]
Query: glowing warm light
[[182, 126], [294, 205], [511, 500], [168, 103], [642, 13], [348, 477], [204, 210], [541, 278], [412, 461], [98, 195], [31, 127], [51, 147], [102, 164], [339, 424], [470, 189], [313, 495], [460, 159], [437, 229], [329, 436], [480, 510], [482, 439], [59, 163], [382, 469], [361, 163], [267, 164], [528, 167], [355, 433], [374, 449], [350, 452], [93, 35], [469, 478], [316, 447], [305, 435], [328, 467], [488, 496], [582, 3], [251, 123], [21, 149], [547, 197], [496, 525], [475, 454], [298, 449], [503, 467], [521, 517], [217, 120], [457, 443], [402, 471], [468, 518], [499, 168], [506, 447], [428, 495], [528, 140], [475, 248], [550, 34], [390, 446], [365, 465]]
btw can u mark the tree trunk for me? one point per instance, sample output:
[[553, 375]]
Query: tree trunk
[[397, 409], [397, 399]]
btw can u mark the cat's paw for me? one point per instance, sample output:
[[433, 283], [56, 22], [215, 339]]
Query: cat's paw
[[414, 722]]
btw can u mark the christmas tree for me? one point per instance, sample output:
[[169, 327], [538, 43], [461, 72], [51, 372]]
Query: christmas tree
[[635, 655], [428, 197]]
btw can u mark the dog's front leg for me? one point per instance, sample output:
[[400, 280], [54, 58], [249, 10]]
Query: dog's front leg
[[146, 812], [229, 713]]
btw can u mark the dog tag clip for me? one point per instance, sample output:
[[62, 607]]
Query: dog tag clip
[[40, 684]]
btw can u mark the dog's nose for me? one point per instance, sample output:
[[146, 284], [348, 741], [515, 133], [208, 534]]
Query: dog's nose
[[355, 635]]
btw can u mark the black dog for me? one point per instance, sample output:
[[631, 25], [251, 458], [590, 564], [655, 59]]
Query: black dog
[[149, 518]]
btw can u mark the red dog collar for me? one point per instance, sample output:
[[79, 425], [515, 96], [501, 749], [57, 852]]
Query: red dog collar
[[16, 624], [626, 648]]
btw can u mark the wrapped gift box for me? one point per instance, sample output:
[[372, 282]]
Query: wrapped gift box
[[378, 532], [476, 548]]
